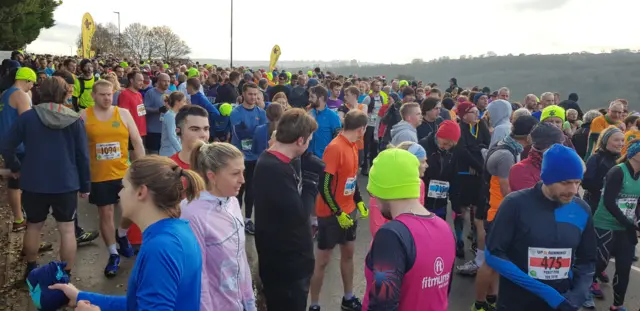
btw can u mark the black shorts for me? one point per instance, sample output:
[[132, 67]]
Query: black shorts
[[105, 192], [152, 141], [13, 183], [62, 205], [470, 191], [330, 233]]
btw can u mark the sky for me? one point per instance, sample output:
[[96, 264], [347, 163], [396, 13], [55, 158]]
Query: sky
[[370, 31]]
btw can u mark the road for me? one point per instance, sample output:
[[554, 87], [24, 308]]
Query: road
[[92, 258]]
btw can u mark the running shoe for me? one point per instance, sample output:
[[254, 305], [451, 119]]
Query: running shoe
[[44, 247], [589, 303], [125, 249], [474, 248], [87, 236], [249, 227], [460, 249], [19, 226], [483, 307], [603, 277], [596, 291], [112, 266], [469, 268], [352, 304], [620, 308]]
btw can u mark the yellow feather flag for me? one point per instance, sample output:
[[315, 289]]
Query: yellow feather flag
[[275, 54], [88, 29]]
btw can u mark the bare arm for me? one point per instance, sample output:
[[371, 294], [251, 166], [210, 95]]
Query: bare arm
[[22, 101], [134, 135]]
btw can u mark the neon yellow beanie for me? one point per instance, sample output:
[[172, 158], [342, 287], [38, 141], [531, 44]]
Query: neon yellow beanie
[[192, 73], [26, 73], [165, 66], [395, 175], [225, 109], [403, 83], [124, 64], [552, 111], [310, 73]]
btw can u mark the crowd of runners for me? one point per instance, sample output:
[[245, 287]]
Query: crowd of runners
[[181, 147]]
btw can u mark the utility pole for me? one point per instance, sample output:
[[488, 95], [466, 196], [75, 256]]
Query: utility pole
[[119, 35], [231, 52]]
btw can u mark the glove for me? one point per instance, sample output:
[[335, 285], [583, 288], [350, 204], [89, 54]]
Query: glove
[[344, 220], [566, 305], [364, 211]]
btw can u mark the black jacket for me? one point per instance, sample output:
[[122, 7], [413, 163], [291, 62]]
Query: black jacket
[[441, 167], [580, 139], [598, 166], [227, 93], [468, 151]]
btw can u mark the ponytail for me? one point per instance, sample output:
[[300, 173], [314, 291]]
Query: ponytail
[[194, 184], [195, 156]]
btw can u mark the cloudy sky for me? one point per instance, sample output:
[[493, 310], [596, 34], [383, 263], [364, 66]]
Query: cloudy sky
[[372, 31]]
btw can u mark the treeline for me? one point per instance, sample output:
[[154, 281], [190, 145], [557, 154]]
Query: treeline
[[597, 78]]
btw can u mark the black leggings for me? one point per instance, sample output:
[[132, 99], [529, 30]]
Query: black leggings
[[370, 147], [615, 243], [247, 188]]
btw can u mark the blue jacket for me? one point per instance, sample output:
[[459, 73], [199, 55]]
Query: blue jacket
[[202, 101], [167, 273], [261, 139], [56, 158], [527, 222], [243, 125], [328, 127]]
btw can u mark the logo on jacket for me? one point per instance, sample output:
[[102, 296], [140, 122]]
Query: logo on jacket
[[438, 266], [115, 124]]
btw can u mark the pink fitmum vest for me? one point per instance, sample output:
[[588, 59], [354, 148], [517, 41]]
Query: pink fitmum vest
[[425, 287]]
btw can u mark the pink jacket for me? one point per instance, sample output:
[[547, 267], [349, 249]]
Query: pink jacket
[[376, 220], [219, 228]]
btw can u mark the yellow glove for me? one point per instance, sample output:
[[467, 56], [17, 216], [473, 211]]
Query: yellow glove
[[344, 220], [364, 211]]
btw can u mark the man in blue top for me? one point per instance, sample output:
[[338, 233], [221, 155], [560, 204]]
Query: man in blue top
[[328, 121], [153, 101], [198, 99], [542, 241], [244, 120]]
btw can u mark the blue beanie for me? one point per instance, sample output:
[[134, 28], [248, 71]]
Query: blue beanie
[[417, 151], [40, 279], [633, 149], [477, 97], [560, 163]]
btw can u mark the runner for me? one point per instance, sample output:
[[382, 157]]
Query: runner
[[154, 99], [333, 102], [192, 126], [169, 140], [336, 209], [580, 138], [411, 258], [405, 130], [83, 85], [130, 99], [499, 113], [216, 216], [57, 144], [14, 102], [169, 267], [328, 121], [555, 115], [109, 130], [431, 119], [351, 95], [263, 132], [546, 100], [198, 99], [542, 241], [613, 117], [374, 101], [283, 230], [616, 225], [244, 120], [606, 153]]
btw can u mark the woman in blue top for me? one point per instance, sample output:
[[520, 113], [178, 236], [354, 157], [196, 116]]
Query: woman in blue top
[[167, 272], [169, 142]]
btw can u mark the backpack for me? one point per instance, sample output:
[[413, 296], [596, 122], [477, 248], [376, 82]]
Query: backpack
[[298, 98], [496, 147]]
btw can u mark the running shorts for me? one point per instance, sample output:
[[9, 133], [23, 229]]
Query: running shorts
[[63, 206], [105, 192], [152, 141], [330, 233]]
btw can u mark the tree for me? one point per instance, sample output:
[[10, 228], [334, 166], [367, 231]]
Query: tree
[[135, 40], [105, 39], [22, 20], [167, 44]]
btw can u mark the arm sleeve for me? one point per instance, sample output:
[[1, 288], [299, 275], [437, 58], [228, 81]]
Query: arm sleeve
[[388, 262], [158, 283], [82, 157], [356, 194], [105, 302], [589, 181], [613, 186], [12, 139], [505, 227], [326, 194], [584, 265], [147, 101]]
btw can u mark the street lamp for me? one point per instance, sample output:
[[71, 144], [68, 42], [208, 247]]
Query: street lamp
[[231, 52], [119, 34]]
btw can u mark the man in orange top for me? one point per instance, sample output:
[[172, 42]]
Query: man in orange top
[[613, 117], [109, 131], [336, 208]]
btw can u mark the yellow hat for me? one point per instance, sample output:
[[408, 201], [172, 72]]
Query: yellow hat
[[26, 73], [552, 111], [225, 109], [192, 73]]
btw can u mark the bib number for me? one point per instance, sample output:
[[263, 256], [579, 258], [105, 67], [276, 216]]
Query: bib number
[[438, 189], [549, 263], [246, 144], [141, 110], [108, 151], [628, 207], [350, 186]]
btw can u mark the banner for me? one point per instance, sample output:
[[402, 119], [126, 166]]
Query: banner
[[88, 29], [275, 54]]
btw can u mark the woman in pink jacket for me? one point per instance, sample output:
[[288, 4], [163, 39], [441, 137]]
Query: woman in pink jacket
[[376, 220], [217, 222]]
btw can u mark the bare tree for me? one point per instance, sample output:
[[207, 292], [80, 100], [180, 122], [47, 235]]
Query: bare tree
[[169, 44], [135, 40], [105, 39]]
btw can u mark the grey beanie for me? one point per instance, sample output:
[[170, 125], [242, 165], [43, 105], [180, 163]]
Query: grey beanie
[[544, 135]]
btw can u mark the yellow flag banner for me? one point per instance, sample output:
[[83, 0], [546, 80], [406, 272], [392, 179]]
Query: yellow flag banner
[[275, 54], [88, 29]]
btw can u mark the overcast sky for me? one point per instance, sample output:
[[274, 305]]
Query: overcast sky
[[372, 31]]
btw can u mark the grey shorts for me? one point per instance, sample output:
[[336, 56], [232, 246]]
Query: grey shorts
[[331, 234]]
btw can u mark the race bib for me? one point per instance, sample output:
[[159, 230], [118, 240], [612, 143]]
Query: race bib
[[350, 186], [628, 207], [246, 144], [549, 263], [108, 151], [438, 189], [141, 110]]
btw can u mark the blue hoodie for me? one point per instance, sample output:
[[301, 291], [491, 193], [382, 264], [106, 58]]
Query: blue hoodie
[[167, 273], [243, 125], [202, 101], [56, 156]]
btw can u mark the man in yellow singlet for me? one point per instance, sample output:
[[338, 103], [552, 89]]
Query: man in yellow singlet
[[109, 130]]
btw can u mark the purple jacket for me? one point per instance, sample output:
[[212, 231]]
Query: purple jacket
[[219, 228]]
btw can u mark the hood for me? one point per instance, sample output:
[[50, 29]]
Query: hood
[[401, 127], [499, 112], [55, 116]]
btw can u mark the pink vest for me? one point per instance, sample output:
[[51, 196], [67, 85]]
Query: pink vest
[[425, 287]]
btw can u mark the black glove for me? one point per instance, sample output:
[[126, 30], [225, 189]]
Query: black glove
[[566, 305]]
